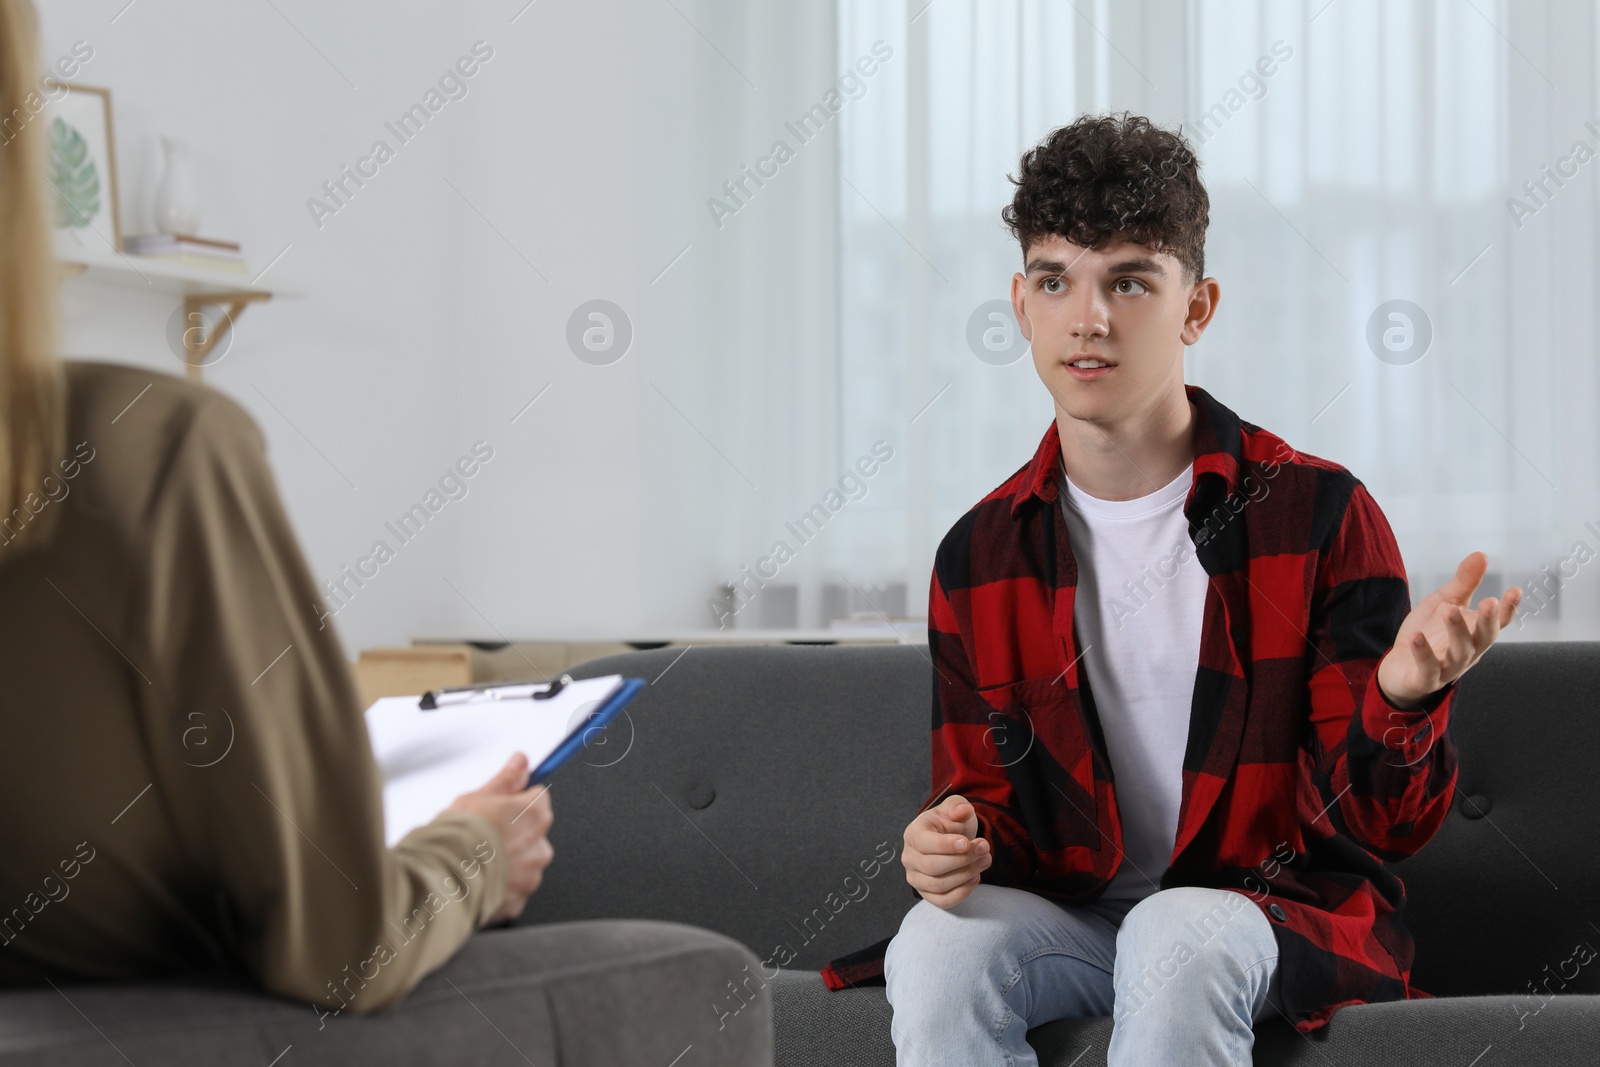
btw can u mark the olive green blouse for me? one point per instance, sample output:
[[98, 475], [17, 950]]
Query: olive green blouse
[[185, 774]]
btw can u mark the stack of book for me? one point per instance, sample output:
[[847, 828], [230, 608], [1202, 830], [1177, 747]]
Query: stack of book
[[185, 248]]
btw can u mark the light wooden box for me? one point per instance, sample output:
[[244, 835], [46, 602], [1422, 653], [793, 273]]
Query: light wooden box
[[395, 672]]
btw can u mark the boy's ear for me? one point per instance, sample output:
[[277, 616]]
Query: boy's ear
[[1019, 288], [1202, 306]]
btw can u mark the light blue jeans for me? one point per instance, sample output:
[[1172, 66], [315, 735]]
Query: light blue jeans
[[1183, 973]]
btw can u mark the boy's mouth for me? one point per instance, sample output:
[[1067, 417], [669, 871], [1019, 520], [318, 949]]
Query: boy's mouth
[[1087, 368]]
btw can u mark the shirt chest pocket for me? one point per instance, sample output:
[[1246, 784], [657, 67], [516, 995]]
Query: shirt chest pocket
[[1024, 713], [1036, 737]]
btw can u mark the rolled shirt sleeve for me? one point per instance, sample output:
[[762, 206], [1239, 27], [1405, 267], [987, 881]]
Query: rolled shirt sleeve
[[1387, 774], [961, 719]]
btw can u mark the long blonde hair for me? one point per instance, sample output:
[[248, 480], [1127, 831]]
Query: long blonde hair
[[31, 400]]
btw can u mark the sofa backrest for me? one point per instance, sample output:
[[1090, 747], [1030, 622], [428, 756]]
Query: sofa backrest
[[1507, 893], [762, 794], [761, 791]]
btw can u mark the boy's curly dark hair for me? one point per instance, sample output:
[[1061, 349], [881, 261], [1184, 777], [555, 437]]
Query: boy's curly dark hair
[[1113, 176]]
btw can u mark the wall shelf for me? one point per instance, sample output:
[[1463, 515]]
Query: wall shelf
[[197, 287]]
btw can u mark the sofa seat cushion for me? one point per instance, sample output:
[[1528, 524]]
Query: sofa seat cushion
[[850, 1028], [571, 993]]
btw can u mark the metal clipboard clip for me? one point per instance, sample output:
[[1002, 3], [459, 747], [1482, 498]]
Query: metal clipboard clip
[[434, 699]]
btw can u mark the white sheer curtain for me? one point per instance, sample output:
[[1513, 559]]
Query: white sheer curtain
[[1376, 162]]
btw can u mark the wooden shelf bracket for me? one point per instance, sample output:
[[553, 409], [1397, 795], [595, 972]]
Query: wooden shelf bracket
[[197, 340]]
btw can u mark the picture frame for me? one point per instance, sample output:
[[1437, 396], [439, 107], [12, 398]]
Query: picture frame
[[81, 164]]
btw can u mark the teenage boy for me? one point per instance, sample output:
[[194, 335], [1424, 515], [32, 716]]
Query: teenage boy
[[1202, 840]]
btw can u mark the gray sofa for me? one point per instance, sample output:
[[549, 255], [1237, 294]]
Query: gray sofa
[[756, 780], [755, 792], [484, 1007]]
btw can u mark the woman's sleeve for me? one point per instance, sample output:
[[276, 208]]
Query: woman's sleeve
[[261, 749]]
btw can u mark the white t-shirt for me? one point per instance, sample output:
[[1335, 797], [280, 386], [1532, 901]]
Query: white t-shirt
[[1139, 605]]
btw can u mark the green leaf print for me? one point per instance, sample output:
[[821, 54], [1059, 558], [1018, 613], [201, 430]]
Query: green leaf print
[[73, 175]]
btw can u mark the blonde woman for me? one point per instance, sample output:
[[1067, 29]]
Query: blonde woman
[[184, 768]]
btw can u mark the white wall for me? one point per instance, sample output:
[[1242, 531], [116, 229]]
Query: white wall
[[587, 145]]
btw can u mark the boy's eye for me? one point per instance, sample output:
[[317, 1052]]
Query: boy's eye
[[1129, 281], [1048, 283]]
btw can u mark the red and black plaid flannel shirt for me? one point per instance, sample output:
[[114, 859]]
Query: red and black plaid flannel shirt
[[1300, 778]]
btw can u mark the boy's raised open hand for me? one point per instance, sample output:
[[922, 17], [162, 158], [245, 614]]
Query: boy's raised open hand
[[943, 856], [1441, 637]]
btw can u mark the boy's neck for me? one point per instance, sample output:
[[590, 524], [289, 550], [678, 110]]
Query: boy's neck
[[1131, 457]]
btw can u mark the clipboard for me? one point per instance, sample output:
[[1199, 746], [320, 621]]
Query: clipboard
[[432, 748]]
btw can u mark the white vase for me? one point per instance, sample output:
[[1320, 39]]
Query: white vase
[[177, 206]]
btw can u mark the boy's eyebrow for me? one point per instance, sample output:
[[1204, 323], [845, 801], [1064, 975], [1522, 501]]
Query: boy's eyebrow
[[1137, 265]]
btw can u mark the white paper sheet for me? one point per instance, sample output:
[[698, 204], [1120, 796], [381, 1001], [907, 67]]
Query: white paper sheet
[[428, 758]]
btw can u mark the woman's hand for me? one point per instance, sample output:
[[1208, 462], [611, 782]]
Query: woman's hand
[[522, 816]]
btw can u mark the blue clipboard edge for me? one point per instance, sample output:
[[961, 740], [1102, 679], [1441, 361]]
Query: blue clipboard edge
[[575, 742]]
